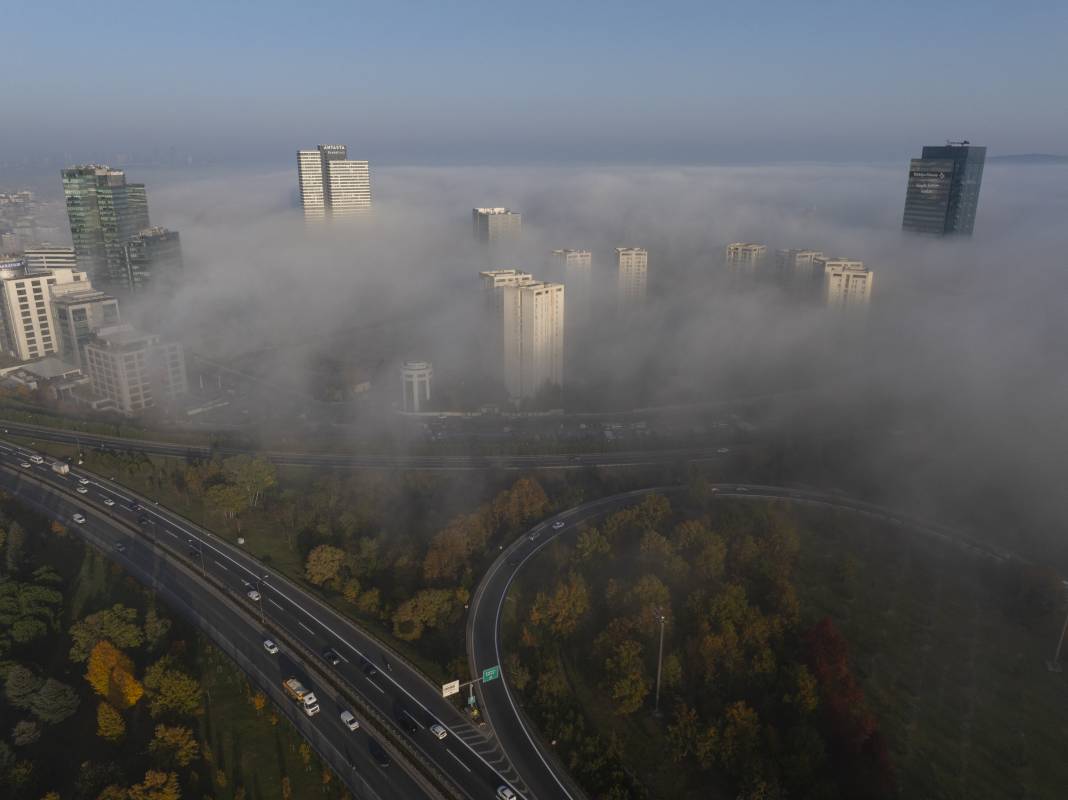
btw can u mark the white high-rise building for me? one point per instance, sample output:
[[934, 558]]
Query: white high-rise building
[[846, 283], [330, 184], [49, 256], [133, 370], [745, 258], [496, 224], [29, 322], [415, 380], [533, 318], [633, 267], [796, 267], [310, 177], [576, 269]]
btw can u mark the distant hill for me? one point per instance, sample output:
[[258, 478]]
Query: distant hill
[[1030, 158]]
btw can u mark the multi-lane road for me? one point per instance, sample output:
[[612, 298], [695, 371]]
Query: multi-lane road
[[399, 461], [210, 580]]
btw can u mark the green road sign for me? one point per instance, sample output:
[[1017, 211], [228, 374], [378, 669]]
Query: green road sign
[[491, 674]]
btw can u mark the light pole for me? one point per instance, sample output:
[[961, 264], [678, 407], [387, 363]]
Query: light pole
[[1055, 664], [659, 664]]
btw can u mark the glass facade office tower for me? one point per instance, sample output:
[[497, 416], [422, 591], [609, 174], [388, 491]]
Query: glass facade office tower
[[152, 259], [943, 189], [104, 211]]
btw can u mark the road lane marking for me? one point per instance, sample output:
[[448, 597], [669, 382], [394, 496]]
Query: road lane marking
[[222, 565], [273, 603], [458, 760], [172, 533], [413, 719], [383, 691], [305, 627]]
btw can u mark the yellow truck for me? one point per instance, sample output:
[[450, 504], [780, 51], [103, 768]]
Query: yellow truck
[[308, 701]]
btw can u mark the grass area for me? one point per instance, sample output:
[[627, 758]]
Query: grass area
[[960, 687]]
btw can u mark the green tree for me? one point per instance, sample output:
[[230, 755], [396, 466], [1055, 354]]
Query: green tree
[[253, 476], [54, 702], [740, 737], [109, 722], [15, 548], [172, 691], [227, 500], [156, 627], [591, 545], [21, 686], [25, 732], [174, 744], [564, 609], [627, 682], [117, 624], [682, 732], [324, 563]]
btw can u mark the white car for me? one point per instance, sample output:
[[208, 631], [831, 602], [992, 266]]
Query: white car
[[78, 518], [83, 481], [350, 721], [723, 450], [438, 731], [253, 595], [25, 465], [557, 526], [82, 490], [109, 502], [504, 793], [270, 647]]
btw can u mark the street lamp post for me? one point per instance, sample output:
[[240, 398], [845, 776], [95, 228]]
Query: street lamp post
[[659, 664], [1055, 664]]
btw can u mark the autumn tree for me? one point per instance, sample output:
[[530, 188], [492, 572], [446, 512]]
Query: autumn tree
[[324, 563], [563, 609], [174, 744], [156, 786], [172, 691], [590, 544], [156, 627], [253, 476], [625, 673], [117, 624], [525, 501], [451, 549], [429, 608], [110, 673], [109, 722], [227, 500]]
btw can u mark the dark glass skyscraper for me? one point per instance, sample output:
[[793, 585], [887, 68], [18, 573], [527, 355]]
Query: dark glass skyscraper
[[943, 190], [104, 211]]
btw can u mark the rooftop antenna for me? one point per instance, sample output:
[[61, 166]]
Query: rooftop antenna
[[951, 143]]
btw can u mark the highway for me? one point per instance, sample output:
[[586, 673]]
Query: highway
[[530, 755], [167, 552], [341, 460]]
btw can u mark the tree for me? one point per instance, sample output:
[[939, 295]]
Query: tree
[[739, 738], [227, 500], [253, 476], [15, 548], [109, 723], [626, 677], [564, 609], [156, 786], [451, 549], [21, 686], [351, 590], [110, 673], [323, 564], [25, 732], [174, 744], [54, 702], [526, 500], [156, 627], [430, 608], [172, 691], [591, 544], [117, 624], [682, 732]]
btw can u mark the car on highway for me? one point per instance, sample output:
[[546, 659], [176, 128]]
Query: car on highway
[[37, 459], [253, 595], [109, 502], [438, 731], [330, 655], [25, 465], [505, 793], [534, 534], [83, 481], [82, 490], [723, 450], [120, 547], [79, 518], [742, 489], [380, 755], [558, 525], [369, 669], [270, 647], [350, 720]]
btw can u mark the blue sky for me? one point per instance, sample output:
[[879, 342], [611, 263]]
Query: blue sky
[[536, 81]]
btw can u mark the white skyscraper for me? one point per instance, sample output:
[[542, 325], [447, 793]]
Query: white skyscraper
[[846, 283], [330, 184], [633, 266], [29, 321], [576, 269], [744, 259], [796, 268], [533, 317], [496, 224], [49, 256]]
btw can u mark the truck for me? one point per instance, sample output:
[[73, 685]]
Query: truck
[[61, 467], [308, 701]]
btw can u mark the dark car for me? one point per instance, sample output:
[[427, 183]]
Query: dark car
[[331, 656], [380, 756], [369, 669], [407, 722], [142, 520]]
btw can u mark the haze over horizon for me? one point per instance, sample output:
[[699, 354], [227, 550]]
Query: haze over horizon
[[594, 83]]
